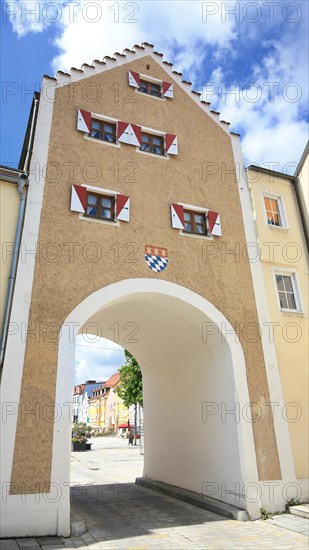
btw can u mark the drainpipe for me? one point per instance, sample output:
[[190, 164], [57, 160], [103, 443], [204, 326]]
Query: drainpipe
[[23, 182], [302, 210]]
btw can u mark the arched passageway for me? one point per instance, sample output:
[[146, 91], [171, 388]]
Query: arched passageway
[[194, 373]]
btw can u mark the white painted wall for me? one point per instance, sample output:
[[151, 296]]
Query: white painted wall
[[170, 327]]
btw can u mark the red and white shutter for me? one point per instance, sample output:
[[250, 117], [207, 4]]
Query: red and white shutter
[[171, 144], [214, 224], [135, 134], [129, 133], [123, 208], [134, 79], [84, 121], [78, 199], [178, 219], [123, 132], [167, 89]]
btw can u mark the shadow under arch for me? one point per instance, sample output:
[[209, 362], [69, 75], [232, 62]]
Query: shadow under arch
[[194, 374]]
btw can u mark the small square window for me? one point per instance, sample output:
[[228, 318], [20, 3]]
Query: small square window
[[150, 88], [195, 222], [274, 211], [287, 292], [152, 144], [100, 206], [103, 130]]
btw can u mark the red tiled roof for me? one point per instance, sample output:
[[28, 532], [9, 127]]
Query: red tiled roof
[[79, 389], [113, 380]]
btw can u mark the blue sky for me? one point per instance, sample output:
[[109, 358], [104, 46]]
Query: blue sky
[[259, 50], [96, 358]]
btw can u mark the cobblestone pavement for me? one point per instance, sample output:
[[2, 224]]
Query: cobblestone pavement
[[130, 517], [125, 516]]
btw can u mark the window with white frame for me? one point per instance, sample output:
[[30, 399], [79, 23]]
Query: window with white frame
[[287, 291], [106, 131], [100, 206], [152, 144], [195, 222], [274, 211], [150, 88]]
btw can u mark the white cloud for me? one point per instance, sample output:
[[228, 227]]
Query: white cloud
[[88, 30], [96, 358], [269, 112], [28, 16], [175, 28]]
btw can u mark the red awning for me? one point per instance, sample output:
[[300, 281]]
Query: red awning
[[126, 425]]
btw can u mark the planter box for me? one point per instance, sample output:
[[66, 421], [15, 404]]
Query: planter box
[[88, 446], [78, 446]]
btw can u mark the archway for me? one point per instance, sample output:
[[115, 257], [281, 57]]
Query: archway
[[194, 373]]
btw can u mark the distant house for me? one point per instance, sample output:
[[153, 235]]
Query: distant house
[[78, 391], [81, 396], [97, 408], [112, 403], [107, 411]]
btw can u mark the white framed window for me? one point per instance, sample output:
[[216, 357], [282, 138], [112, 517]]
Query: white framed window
[[274, 210], [157, 143], [288, 291], [150, 86], [100, 205], [193, 221]]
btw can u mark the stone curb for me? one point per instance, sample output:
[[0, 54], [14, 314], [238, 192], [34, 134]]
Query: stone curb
[[216, 506]]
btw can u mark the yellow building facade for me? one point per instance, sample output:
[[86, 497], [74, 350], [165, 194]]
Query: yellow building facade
[[283, 252], [9, 208], [93, 415], [107, 411], [97, 407], [121, 411]]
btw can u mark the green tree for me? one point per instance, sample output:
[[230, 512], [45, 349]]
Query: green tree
[[130, 389]]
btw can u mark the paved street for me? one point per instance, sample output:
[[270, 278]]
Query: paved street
[[121, 515], [111, 460]]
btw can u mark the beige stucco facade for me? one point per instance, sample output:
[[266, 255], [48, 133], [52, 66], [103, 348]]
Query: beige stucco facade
[[160, 182], [283, 251], [196, 315]]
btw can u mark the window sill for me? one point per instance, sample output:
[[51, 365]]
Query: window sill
[[149, 95], [101, 141], [293, 312], [166, 157], [280, 227], [96, 220], [195, 236]]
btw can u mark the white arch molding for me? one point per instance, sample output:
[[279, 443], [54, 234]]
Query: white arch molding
[[211, 452], [113, 297]]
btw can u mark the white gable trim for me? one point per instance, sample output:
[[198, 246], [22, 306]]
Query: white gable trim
[[138, 52]]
